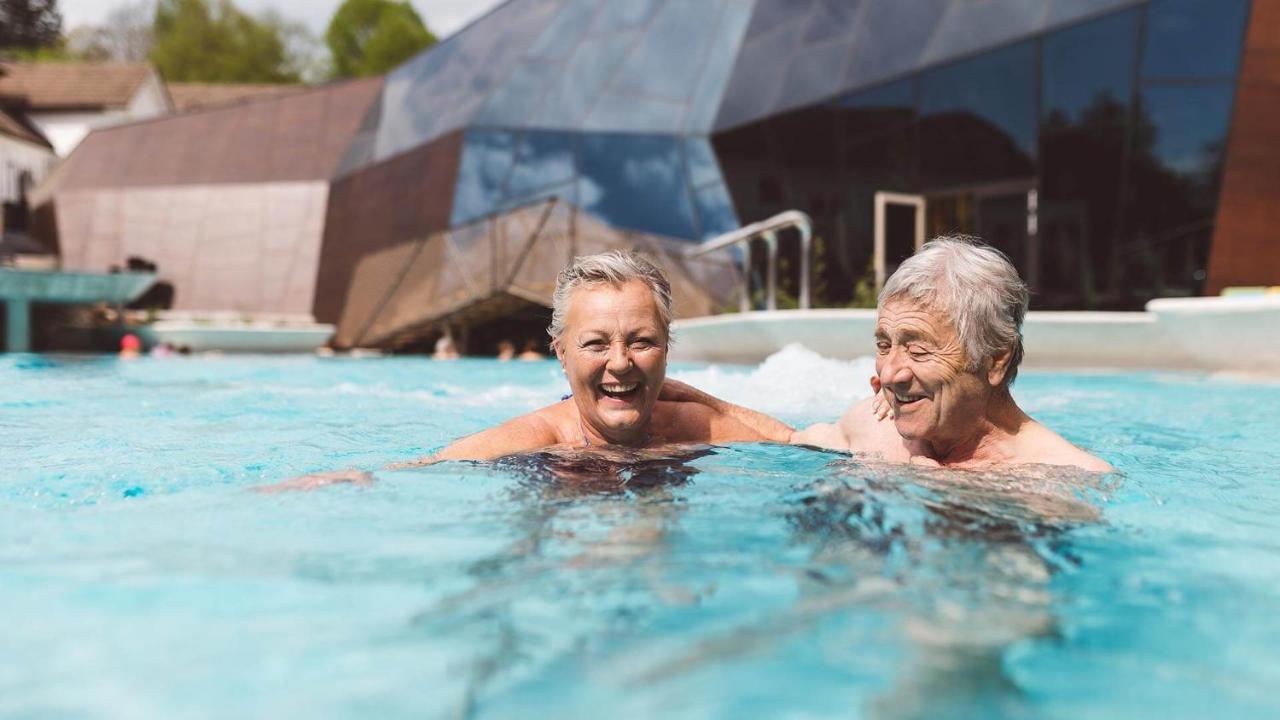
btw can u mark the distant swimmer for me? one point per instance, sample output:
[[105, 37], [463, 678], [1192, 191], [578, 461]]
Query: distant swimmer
[[610, 330], [948, 345], [530, 351]]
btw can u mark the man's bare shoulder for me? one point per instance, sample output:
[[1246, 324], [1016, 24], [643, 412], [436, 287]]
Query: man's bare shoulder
[[868, 433], [1044, 446]]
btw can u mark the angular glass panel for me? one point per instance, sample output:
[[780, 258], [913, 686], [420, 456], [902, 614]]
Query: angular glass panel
[[441, 89], [565, 30], [666, 61], [757, 77], [725, 42], [622, 113], [891, 39], [544, 159], [636, 182], [1194, 38], [519, 96], [977, 24], [703, 167], [830, 19], [614, 16], [811, 75], [582, 80], [978, 118], [770, 14], [715, 210], [1088, 70], [482, 173], [1064, 11]]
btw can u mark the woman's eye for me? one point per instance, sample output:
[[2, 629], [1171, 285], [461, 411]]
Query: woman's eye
[[642, 344]]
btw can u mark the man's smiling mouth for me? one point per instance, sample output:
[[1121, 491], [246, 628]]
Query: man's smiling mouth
[[906, 399]]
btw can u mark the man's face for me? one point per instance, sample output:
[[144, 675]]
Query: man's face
[[922, 367], [614, 352]]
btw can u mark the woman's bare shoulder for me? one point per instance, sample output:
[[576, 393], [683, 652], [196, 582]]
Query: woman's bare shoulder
[[531, 431]]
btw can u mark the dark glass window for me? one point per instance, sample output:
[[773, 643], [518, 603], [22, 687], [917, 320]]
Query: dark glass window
[[637, 182], [544, 159], [1174, 173], [870, 113], [978, 118], [1194, 38], [1088, 69], [482, 173], [1087, 84]]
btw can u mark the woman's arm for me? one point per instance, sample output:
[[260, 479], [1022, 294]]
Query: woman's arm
[[729, 422]]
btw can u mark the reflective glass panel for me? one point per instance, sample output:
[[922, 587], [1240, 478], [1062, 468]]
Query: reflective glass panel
[[972, 25], [978, 118], [872, 112], [770, 14], [891, 39], [1088, 69], [715, 71], [544, 159], [715, 210], [831, 19], [666, 61], [582, 80], [637, 182], [614, 16], [703, 167], [1194, 38], [482, 173]]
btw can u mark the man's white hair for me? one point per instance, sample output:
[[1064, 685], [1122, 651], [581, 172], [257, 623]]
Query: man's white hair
[[615, 267], [976, 287]]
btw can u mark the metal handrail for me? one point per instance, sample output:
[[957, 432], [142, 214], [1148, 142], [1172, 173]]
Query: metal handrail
[[766, 230]]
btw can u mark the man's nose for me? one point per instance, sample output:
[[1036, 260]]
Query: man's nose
[[894, 370]]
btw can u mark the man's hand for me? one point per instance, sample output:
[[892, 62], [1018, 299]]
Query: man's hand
[[319, 480], [880, 404]]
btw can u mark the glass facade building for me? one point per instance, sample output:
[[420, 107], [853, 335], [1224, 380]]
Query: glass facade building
[[1086, 139]]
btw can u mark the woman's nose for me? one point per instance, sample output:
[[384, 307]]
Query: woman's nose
[[619, 358]]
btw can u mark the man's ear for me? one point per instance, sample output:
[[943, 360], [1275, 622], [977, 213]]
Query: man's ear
[[999, 367]]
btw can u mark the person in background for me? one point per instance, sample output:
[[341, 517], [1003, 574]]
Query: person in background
[[445, 348], [530, 351], [506, 350]]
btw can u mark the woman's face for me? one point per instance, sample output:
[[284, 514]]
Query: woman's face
[[614, 352]]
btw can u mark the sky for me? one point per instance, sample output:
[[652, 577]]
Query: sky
[[443, 17]]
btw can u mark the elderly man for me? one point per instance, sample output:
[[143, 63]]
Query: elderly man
[[948, 344]]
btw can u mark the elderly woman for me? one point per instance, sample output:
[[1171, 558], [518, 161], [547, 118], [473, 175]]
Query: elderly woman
[[610, 329]]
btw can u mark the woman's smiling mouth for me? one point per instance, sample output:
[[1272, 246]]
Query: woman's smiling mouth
[[619, 391]]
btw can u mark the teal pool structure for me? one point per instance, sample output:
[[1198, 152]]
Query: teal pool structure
[[141, 577]]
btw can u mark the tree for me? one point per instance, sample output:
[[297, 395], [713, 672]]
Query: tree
[[370, 37], [213, 41], [125, 37], [29, 24]]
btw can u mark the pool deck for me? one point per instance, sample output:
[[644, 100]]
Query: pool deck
[[1231, 334]]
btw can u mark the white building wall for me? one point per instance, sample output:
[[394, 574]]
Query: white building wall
[[66, 130], [17, 157]]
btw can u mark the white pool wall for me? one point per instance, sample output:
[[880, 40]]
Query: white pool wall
[[1233, 334]]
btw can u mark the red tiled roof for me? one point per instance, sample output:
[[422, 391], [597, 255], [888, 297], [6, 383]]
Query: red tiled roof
[[71, 85], [193, 96], [14, 124], [299, 136]]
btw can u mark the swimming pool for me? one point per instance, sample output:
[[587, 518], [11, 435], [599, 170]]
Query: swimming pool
[[140, 578]]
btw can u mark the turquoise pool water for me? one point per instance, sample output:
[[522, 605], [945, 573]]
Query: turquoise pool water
[[139, 577]]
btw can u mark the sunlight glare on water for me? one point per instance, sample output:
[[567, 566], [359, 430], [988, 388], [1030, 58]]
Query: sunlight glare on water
[[142, 578]]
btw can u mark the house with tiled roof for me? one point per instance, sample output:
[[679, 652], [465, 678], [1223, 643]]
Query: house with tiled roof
[[196, 96], [66, 100]]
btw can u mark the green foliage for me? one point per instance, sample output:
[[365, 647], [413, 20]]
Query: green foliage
[[213, 41], [370, 37], [29, 25]]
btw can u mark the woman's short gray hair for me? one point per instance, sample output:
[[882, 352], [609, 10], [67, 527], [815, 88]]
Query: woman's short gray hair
[[615, 267], [976, 287]]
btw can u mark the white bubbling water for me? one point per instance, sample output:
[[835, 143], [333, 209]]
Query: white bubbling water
[[794, 382]]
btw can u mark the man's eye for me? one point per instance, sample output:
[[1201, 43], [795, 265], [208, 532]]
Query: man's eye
[[882, 346]]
